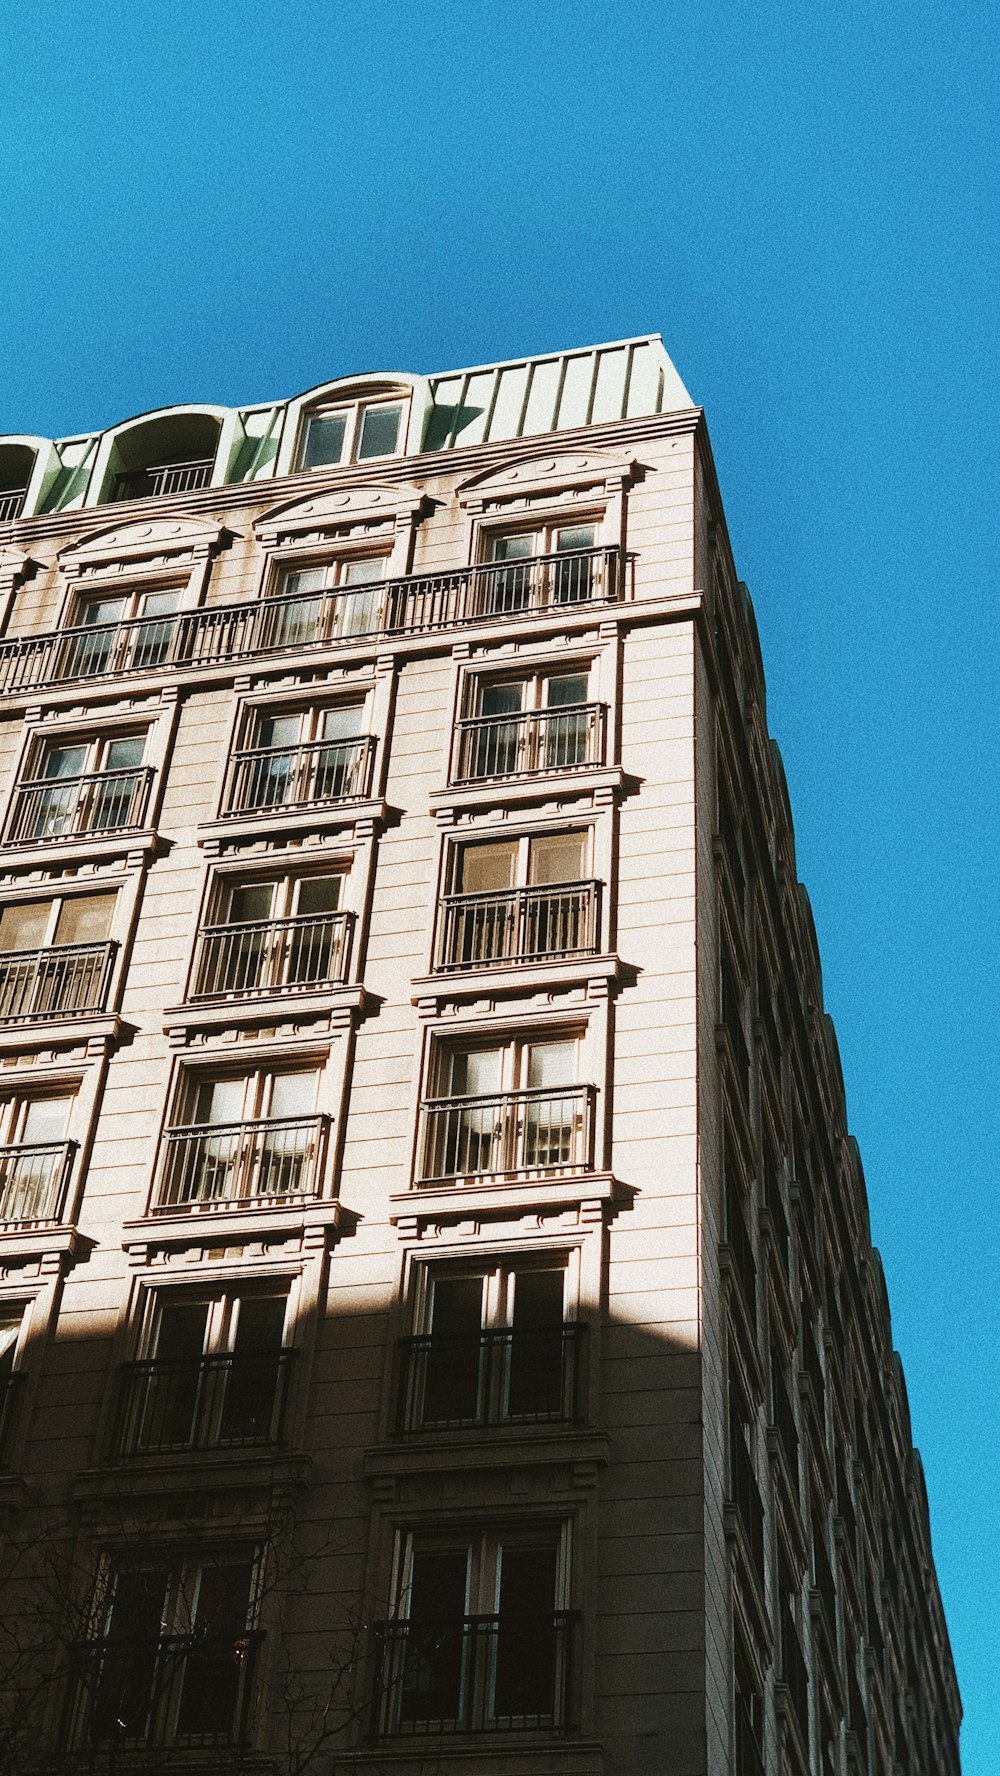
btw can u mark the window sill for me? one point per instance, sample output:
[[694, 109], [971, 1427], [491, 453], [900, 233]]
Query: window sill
[[473, 1451], [218, 1226], [437, 1202], [266, 1008], [216, 835], [433, 990], [91, 1030], [596, 781], [133, 843]]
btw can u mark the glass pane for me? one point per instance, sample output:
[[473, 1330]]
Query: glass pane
[[85, 919], [515, 548], [343, 722], [325, 440], [379, 431], [475, 1072], [158, 604], [260, 1324], [567, 688], [213, 1674], [559, 857], [124, 755], [303, 579], [180, 1330], [430, 1685], [277, 730], [45, 1119], [501, 699], [221, 1100], [250, 904], [526, 1641], [10, 1328], [319, 894], [292, 1094], [538, 1300], [366, 572], [64, 761], [23, 927], [485, 869], [551, 1064], [452, 1373], [576, 536], [102, 610]]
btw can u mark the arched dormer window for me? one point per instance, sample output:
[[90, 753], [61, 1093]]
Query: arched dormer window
[[354, 422], [171, 452], [17, 462]]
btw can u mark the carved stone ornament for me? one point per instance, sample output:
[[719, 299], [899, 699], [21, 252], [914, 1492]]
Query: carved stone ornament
[[332, 507], [165, 538], [537, 474], [14, 564]]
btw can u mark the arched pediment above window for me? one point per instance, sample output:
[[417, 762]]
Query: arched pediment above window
[[335, 508], [553, 473], [157, 541]]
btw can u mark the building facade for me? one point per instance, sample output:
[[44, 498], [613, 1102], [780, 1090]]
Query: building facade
[[439, 1325]]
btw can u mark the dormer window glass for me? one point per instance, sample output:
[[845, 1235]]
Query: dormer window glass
[[358, 432]]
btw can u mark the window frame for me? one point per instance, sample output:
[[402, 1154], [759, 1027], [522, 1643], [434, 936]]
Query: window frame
[[354, 410]]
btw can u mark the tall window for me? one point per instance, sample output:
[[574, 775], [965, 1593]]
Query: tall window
[[335, 598], [81, 786], [482, 1638], [246, 1138], [509, 1106], [496, 1346], [538, 723], [34, 1156], [518, 899], [357, 431], [55, 956], [299, 759], [271, 935], [215, 1373], [12, 1316], [528, 576], [126, 632], [173, 1658]]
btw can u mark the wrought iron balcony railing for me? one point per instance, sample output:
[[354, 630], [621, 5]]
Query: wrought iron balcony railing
[[546, 1130], [518, 925], [270, 778], [210, 1402], [62, 981], [536, 741], [272, 956], [67, 807], [208, 1166], [293, 621], [153, 483], [33, 1183], [499, 1377], [11, 501], [475, 1674], [10, 1394], [178, 1690]]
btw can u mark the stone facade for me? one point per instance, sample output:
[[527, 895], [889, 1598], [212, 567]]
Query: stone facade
[[439, 1319]]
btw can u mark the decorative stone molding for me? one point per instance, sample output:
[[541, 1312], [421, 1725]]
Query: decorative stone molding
[[597, 469], [305, 520], [171, 542]]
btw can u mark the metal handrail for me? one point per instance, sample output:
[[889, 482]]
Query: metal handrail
[[290, 622], [518, 924], [60, 981], [499, 1376], [548, 1130], [266, 778], [154, 482], [11, 501], [33, 1181], [471, 1674], [220, 1166], [269, 955], [529, 742], [92, 802], [210, 1402]]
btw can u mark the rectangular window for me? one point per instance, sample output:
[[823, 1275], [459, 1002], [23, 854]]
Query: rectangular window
[[55, 956], [244, 1138], [525, 725], [173, 1659], [496, 1346], [309, 758], [12, 1318], [551, 564], [326, 601], [35, 1158], [215, 1376], [506, 1108], [128, 632], [273, 936], [357, 431], [91, 786], [482, 1639]]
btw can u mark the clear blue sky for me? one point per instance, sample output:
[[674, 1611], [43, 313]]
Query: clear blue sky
[[232, 202]]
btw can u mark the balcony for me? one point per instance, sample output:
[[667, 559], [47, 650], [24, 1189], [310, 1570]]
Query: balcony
[[11, 501], [502, 1377], [518, 925], [475, 1674], [153, 483], [538, 741], [33, 1183], [63, 981], [288, 624], [515, 1134], [179, 1690], [272, 780], [10, 1394], [240, 1165], [73, 807], [213, 1402], [272, 956]]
